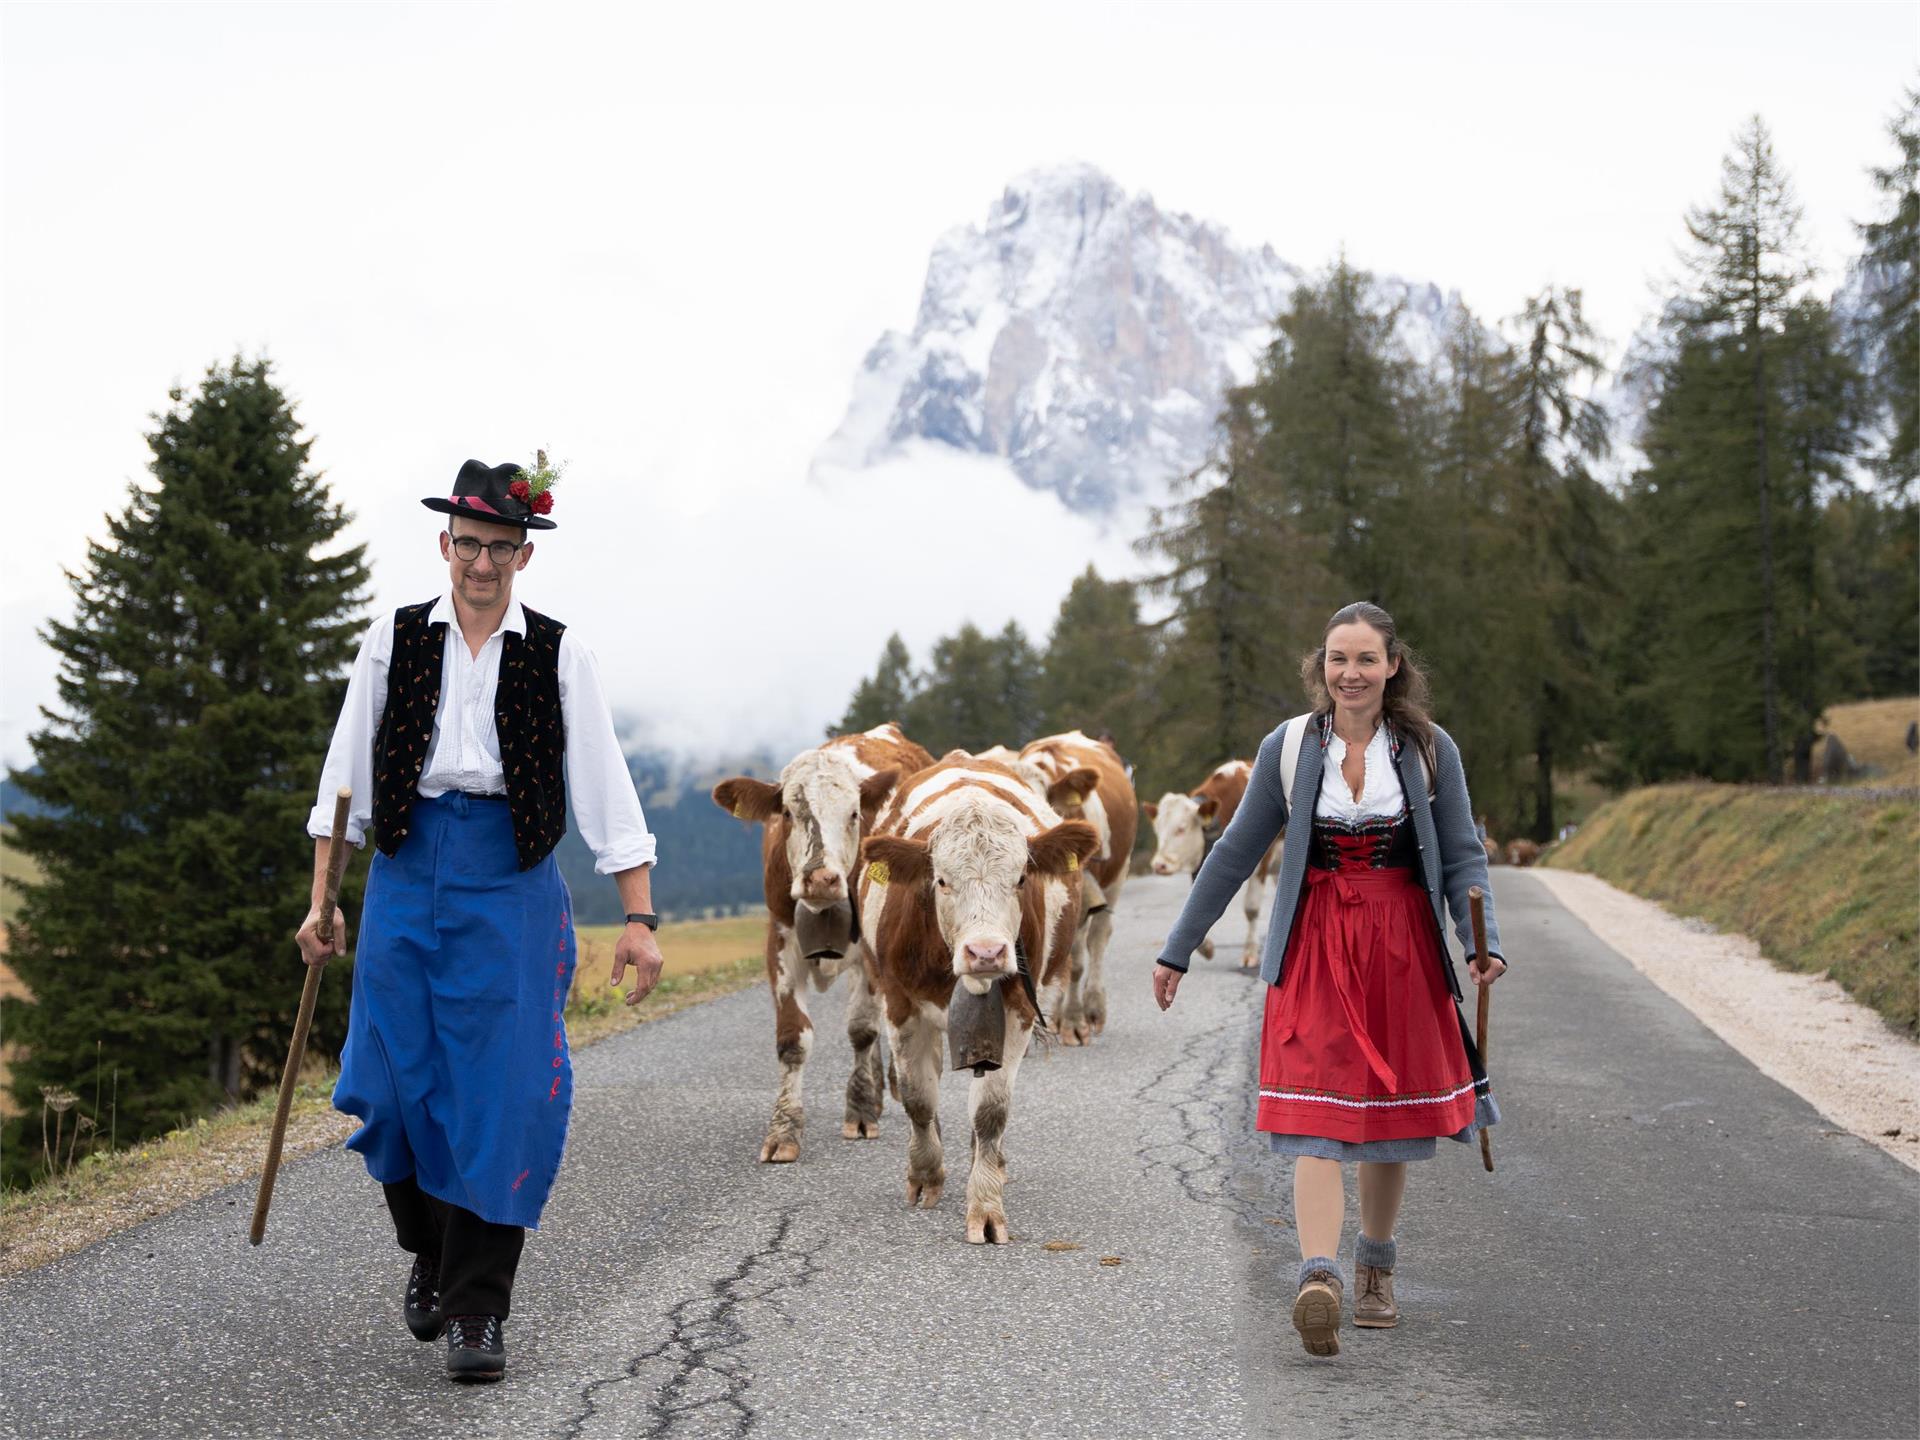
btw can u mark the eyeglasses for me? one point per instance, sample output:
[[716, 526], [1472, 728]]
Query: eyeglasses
[[501, 551]]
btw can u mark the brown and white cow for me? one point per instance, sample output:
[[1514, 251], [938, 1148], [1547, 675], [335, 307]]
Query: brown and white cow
[[969, 875], [816, 815], [1181, 824], [1086, 780]]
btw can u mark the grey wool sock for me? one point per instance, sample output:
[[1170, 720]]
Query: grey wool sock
[[1377, 1253], [1317, 1262]]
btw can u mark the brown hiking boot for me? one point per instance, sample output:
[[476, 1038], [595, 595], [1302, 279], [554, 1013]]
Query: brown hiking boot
[[1373, 1307], [1316, 1312]]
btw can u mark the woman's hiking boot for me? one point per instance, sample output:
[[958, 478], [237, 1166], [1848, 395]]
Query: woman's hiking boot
[[1316, 1311], [1373, 1307]]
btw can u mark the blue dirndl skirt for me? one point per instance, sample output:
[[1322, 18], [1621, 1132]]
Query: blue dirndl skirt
[[456, 1058]]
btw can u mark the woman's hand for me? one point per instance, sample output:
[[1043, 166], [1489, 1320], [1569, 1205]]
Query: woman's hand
[[1166, 984], [1496, 967]]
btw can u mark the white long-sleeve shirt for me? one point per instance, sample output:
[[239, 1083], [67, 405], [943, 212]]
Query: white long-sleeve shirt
[[464, 753]]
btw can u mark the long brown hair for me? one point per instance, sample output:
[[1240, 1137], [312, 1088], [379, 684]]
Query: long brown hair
[[1405, 705]]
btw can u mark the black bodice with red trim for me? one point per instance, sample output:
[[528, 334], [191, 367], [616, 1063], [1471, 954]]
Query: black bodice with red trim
[[1376, 843]]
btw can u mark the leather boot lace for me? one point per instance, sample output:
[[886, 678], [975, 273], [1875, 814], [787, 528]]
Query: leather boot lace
[[423, 1285], [473, 1332]]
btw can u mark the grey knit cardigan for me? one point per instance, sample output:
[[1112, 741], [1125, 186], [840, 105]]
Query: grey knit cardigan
[[1452, 859]]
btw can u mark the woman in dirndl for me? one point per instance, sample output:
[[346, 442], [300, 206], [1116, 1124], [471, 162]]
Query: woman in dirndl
[[1365, 1055]]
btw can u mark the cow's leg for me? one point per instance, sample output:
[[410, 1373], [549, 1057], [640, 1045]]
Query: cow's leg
[[916, 1058], [1099, 934], [989, 1102], [1072, 1025], [866, 1086], [1250, 898], [792, 1039]]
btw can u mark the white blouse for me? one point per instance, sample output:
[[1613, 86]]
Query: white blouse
[[1381, 795], [464, 753]]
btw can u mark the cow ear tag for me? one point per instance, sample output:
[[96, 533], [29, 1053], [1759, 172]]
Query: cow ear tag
[[1073, 861], [877, 872], [740, 811]]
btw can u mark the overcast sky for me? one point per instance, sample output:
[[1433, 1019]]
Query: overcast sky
[[657, 240]]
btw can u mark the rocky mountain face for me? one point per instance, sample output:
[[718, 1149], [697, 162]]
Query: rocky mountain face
[[1087, 336]]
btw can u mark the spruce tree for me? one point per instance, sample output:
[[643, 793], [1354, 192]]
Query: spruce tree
[[963, 702], [1018, 672], [1560, 579], [1692, 675], [1892, 265], [1097, 660], [1880, 533], [882, 696], [1463, 613], [200, 677], [1226, 650], [1331, 441]]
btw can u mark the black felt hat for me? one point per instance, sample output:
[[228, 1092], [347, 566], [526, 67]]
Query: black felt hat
[[484, 493]]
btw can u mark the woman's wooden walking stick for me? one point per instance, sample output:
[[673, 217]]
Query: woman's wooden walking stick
[[337, 852], [1474, 896]]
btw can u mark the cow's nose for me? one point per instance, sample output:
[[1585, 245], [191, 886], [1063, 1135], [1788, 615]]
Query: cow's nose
[[1160, 867], [825, 883], [985, 955]]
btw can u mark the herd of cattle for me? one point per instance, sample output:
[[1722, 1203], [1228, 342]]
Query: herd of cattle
[[980, 882], [977, 885]]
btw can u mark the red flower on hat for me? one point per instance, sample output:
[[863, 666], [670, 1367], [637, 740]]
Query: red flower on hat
[[543, 502], [519, 491]]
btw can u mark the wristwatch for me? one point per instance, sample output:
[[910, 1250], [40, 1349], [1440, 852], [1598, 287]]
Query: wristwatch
[[652, 922]]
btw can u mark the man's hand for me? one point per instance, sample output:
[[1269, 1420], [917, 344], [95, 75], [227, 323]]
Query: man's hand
[[1496, 967], [1166, 984], [638, 947], [315, 951]]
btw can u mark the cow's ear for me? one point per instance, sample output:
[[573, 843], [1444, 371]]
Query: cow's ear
[[745, 798], [1153, 810], [874, 789], [896, 860], [1061, 850], [1209, 807], [1073, 788]]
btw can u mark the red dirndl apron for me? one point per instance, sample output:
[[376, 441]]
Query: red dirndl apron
[[1362, 1040]]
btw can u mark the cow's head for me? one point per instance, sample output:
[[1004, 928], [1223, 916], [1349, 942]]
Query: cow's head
[[825, 807], [976, 871], [1179, 823]]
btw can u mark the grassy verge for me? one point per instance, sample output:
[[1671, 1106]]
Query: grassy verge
[[107, 1192], [1822, 881]]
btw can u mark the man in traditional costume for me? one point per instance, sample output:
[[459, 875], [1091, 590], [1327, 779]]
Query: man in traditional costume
[[469, 723]]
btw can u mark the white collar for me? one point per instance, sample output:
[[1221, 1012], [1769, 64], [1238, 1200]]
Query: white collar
[[443, 614], [1378, 738]]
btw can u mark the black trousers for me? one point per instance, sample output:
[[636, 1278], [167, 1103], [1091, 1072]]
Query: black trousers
[[477, 1258]]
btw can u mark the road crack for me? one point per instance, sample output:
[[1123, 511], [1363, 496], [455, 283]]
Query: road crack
[[1202, 1097], [699, 1370]]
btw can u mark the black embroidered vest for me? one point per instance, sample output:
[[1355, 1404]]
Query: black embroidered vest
[[526, 711]]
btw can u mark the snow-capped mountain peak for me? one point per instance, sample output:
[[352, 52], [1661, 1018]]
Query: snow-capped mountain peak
[[1081, 332]]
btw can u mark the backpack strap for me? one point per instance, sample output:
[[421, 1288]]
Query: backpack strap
[[1290, 755]]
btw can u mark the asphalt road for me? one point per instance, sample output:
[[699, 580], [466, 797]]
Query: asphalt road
[[1673, 1245]]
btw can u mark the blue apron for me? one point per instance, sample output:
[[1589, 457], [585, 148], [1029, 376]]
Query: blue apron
[[456, 1057]]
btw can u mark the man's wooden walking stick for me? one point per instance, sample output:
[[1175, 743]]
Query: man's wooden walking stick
[[1474, 896], [337, 851]]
